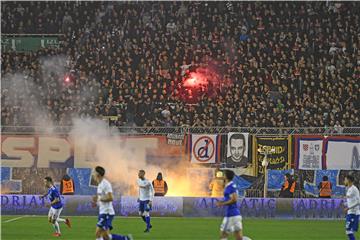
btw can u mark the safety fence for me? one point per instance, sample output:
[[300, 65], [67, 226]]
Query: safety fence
[[133, 130]]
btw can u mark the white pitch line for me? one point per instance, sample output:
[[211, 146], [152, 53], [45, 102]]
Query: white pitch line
[[13, 219]]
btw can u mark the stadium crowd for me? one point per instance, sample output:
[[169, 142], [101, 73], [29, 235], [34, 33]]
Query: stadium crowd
[[283, 64]]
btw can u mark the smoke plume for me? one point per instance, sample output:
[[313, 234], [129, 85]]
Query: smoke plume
[[104, 147], [100, 144], [25, 92]]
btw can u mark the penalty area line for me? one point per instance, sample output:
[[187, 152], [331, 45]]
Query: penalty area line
[[13, 219]]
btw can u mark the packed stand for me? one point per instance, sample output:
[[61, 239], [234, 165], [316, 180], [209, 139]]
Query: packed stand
[[282, 64]]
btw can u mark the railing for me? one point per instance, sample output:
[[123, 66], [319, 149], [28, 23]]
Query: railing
[[279, 131], [259, 193], [328, 131], [32, 34]]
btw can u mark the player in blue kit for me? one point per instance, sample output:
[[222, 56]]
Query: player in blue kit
[[56, 206], [232, 222]]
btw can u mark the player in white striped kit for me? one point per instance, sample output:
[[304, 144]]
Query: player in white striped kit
[[352, 209], [146, 196], [104, 200]]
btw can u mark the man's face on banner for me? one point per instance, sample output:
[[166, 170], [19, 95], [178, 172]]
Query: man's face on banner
[[237, 149]]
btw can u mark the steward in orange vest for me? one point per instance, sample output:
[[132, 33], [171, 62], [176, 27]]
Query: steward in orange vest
[[160, 186], [325, 188], [217, 185], [288, 189], [67, 186]]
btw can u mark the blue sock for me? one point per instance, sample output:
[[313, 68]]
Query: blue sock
[[351, 236], [147, 222], [118, 237]]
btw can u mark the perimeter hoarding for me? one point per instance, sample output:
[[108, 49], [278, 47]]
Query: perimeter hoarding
[[162, 206], [184, 207]]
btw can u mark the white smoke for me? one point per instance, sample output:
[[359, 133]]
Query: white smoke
[[104, 147], [25, 94], [100, 144]]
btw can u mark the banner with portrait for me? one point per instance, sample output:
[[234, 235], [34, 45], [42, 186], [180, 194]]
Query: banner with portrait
[[204, 148], [342, 153], [309, 152], [237, 149], [279, 156]]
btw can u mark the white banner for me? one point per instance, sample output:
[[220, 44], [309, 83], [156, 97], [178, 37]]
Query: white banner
[[237, 150], [310, 154], [343, 154], [204, 148]]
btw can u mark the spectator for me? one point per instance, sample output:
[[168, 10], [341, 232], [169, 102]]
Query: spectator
[[275, 71]]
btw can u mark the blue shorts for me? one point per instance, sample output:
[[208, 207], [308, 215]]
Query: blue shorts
[[352, 223], [105, 221], [144, 206]]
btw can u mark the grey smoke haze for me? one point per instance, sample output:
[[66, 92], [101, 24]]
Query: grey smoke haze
[[101, 146], [25, 92], [54, 64], [122, 162], [104, 148], [24, 96]]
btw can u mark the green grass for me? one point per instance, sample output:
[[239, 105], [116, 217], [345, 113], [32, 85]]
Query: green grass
[[31, 228]]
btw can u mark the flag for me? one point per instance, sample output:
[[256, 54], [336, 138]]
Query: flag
[[204, 148]]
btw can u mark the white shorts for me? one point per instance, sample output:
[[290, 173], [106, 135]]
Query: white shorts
[[231, 224], [54, 213]]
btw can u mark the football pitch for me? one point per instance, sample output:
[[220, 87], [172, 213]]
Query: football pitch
[[37, 227]]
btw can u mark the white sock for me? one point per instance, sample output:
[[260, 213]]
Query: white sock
[[61, 220], [100, 238], [110, 236], [56, 226]]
